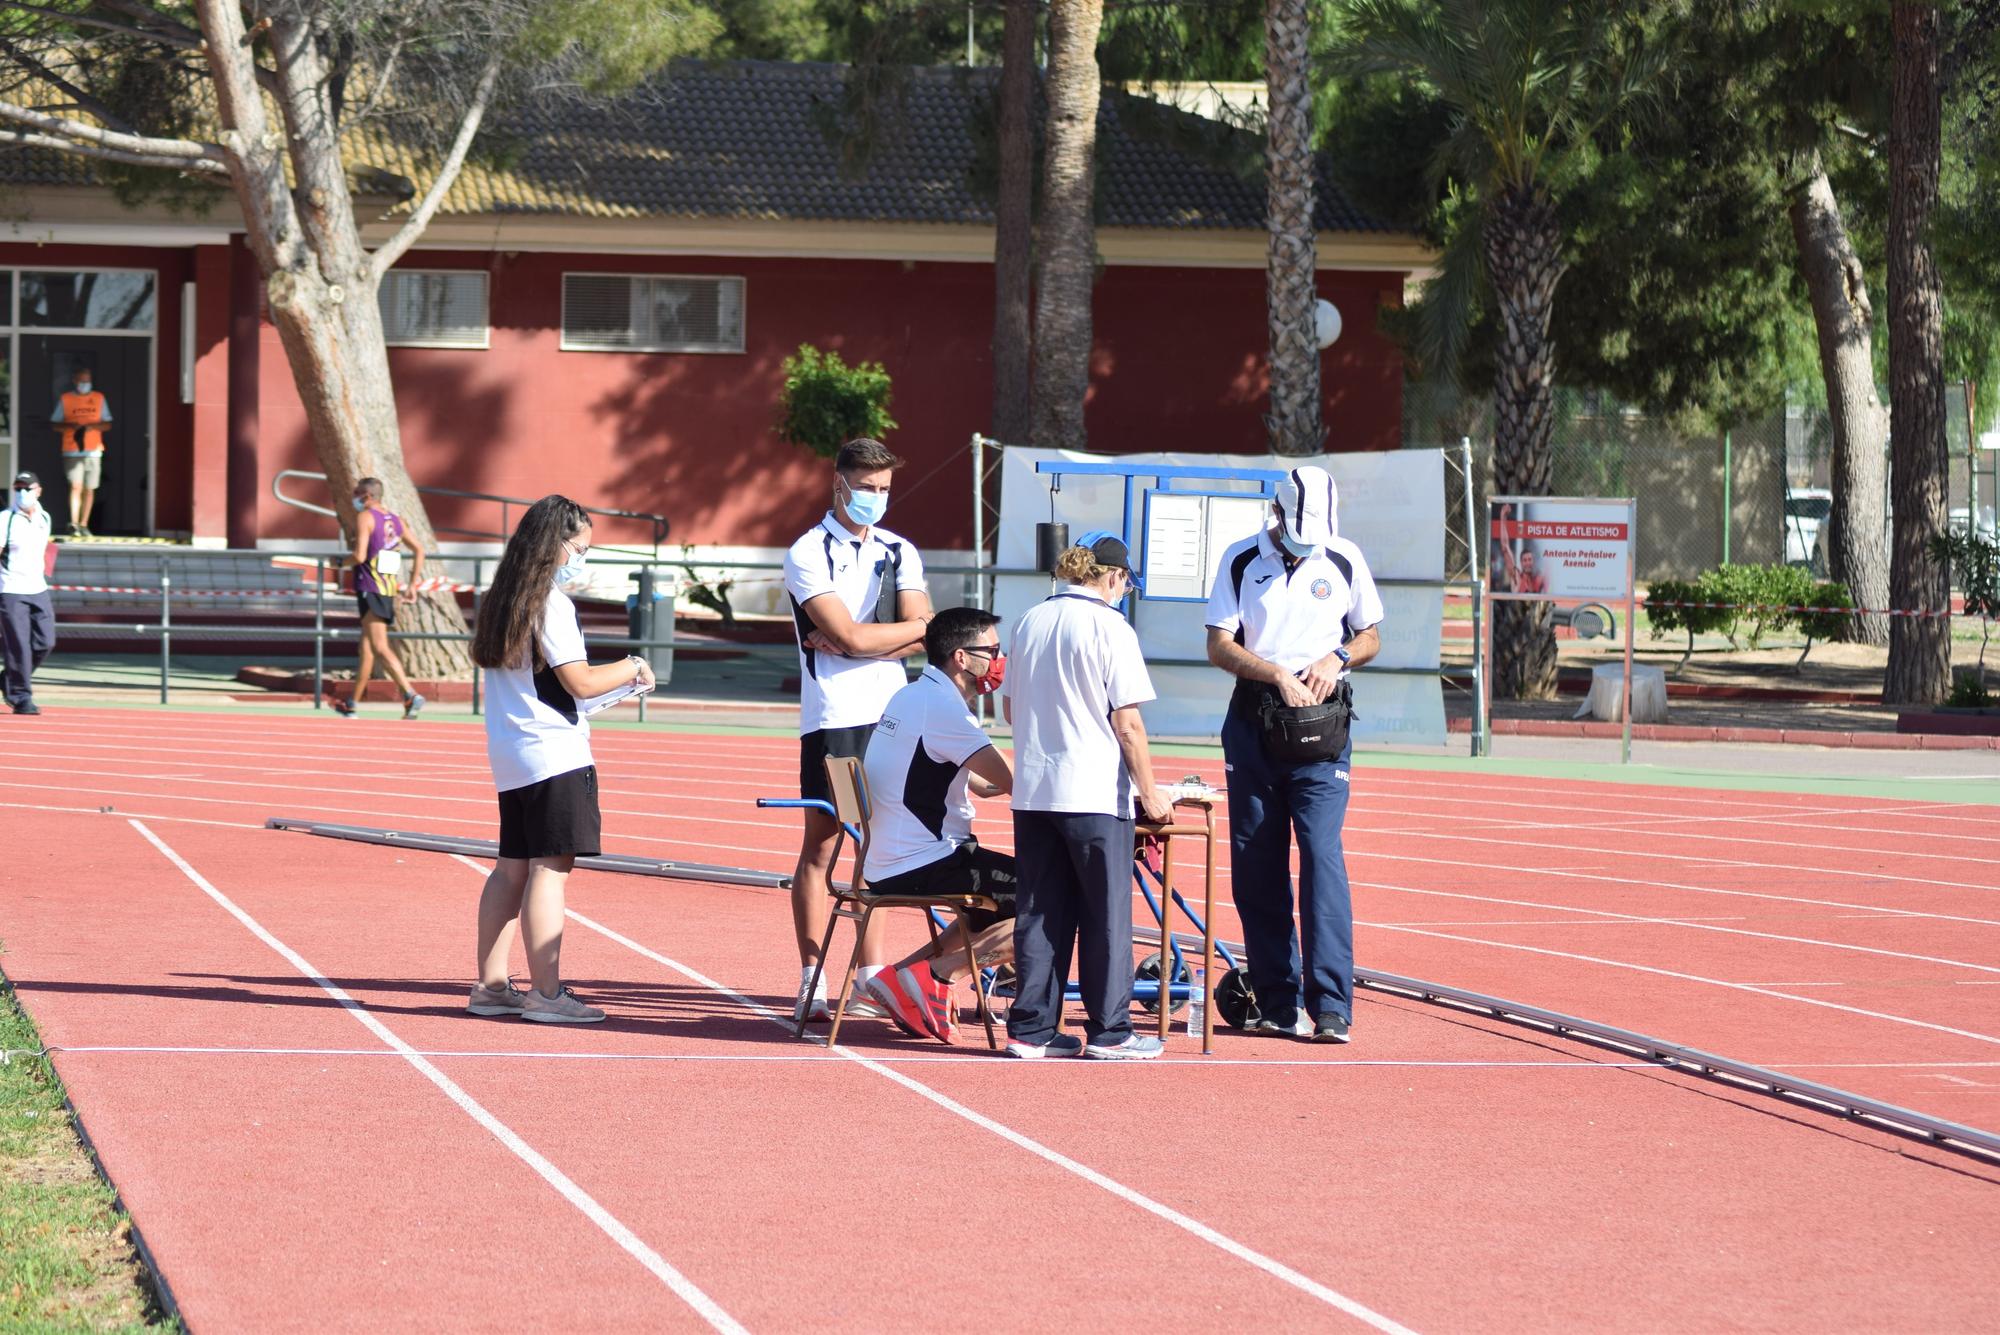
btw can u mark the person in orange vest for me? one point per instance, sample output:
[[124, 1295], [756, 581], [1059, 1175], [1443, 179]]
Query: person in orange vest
[[82, 415]]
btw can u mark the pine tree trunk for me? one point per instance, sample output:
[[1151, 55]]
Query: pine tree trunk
[[1068, 242], [1858, 531], [320, 287], [1919, 647], [1523, 247], [1292, 267], [1013, 237]]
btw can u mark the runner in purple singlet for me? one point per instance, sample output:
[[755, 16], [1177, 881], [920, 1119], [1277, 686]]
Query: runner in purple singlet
[[379, 540]]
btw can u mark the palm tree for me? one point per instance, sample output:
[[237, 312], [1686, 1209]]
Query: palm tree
[[1067, 251], [1530, 83], [1291, 271]]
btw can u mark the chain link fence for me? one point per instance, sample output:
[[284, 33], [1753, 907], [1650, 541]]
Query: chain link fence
[[1703, 499]]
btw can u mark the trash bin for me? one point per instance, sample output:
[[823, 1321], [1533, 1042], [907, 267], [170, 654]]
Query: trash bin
[[649, 619]]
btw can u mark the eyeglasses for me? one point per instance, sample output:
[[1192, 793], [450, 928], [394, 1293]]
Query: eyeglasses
[[990, 650]]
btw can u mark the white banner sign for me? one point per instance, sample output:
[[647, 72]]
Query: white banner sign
[[1391, 506], [1560, 547]]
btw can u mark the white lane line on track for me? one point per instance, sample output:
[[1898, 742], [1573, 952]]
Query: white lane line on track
[[1697, 978], [682, 1286], [1689, 923], [1757, 864], [1676, 885], [822, 1057], [142, 815], [1277, 1269], [1576, 1064]]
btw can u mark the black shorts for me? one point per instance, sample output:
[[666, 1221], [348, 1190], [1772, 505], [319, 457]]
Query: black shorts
[[379, 605], [556, 818], [966, 870], [815, 747]]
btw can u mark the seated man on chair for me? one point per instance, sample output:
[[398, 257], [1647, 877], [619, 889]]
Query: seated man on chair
[[926, 760]]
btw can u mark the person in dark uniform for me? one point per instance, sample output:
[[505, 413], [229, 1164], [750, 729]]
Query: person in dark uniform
[[1293, 610]]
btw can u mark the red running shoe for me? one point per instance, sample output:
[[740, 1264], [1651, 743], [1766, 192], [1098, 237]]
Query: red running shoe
[[907, 1014], [933, 997]]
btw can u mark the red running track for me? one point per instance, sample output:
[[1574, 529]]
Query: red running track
[[673, 1168]]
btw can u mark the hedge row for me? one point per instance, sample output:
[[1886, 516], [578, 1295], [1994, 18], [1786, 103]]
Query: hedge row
[[1750, 596]]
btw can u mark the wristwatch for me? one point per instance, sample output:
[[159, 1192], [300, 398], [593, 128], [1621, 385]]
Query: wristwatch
[[1343, 655]]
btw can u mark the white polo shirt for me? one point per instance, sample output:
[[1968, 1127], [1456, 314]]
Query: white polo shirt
[[1074, 659], [534, 730], [836, 691], [1294, 618], [26, 539], [919, 808]]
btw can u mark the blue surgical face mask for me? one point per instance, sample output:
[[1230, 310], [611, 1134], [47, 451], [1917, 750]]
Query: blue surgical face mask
[[26, 501], [361, 502], [571, 571], [83, 388], [1299, 550], [867, 507]]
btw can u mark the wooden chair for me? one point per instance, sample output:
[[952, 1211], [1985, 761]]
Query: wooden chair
[[856, 903]]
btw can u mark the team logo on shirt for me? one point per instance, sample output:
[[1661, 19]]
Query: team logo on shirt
[[1322, 590]]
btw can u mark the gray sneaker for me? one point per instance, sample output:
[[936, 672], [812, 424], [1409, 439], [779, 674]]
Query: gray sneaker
[[1062, 1045], [414, 706], [1131, 1048], [496, 1000], [562, 1008]]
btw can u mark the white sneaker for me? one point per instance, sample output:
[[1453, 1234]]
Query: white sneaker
[[819, 1009], [562, 1008], [1061, 1045]]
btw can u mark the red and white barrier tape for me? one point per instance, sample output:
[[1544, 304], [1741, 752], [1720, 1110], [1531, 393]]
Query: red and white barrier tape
[[1766, 607]]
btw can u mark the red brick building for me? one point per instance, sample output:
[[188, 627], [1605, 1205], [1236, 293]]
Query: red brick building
[[606, 314]]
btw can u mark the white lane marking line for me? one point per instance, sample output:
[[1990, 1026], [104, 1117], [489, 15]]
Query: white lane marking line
[[1690, 924], [942, 1059], [683, 1287], [1678, 885], [1277, 1269], [1697, 978], [128, 815]]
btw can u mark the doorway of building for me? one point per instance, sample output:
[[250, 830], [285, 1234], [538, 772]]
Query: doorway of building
[[121, 369]]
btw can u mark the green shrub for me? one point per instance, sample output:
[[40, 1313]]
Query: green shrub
[[826, 402], [1975, 569], [1753, 595], [1826, 625]]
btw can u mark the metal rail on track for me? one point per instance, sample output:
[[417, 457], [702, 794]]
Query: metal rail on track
[[622, 863], [1795, 1090]]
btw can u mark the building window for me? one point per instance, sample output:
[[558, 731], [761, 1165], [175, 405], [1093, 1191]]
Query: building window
[[436, 308], [92, 299], [652, 313]]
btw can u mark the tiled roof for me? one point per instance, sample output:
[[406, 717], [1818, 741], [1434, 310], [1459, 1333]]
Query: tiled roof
[[749, 140]]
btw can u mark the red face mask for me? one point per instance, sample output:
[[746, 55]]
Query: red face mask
[[990, 680]]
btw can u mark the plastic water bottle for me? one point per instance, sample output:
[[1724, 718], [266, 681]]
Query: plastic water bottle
[[1198, 1003]]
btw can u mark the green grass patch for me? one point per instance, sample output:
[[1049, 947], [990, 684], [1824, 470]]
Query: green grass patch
[[66, 1256]]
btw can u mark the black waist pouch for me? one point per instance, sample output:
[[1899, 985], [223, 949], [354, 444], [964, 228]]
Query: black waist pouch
[[1299, 736]]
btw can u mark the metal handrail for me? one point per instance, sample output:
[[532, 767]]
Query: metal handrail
[[659, 522]]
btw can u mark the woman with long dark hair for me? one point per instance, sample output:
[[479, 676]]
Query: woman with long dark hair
[[530, 644]]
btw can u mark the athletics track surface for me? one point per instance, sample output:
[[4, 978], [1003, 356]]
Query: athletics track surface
[[263, 1037]]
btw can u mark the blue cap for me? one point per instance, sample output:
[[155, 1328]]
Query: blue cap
[[1108, 549]]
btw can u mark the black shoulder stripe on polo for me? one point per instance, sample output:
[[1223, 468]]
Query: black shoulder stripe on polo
[[1236, 570], [829, 554], [805, 626], [925, 787], [1346, 569]]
